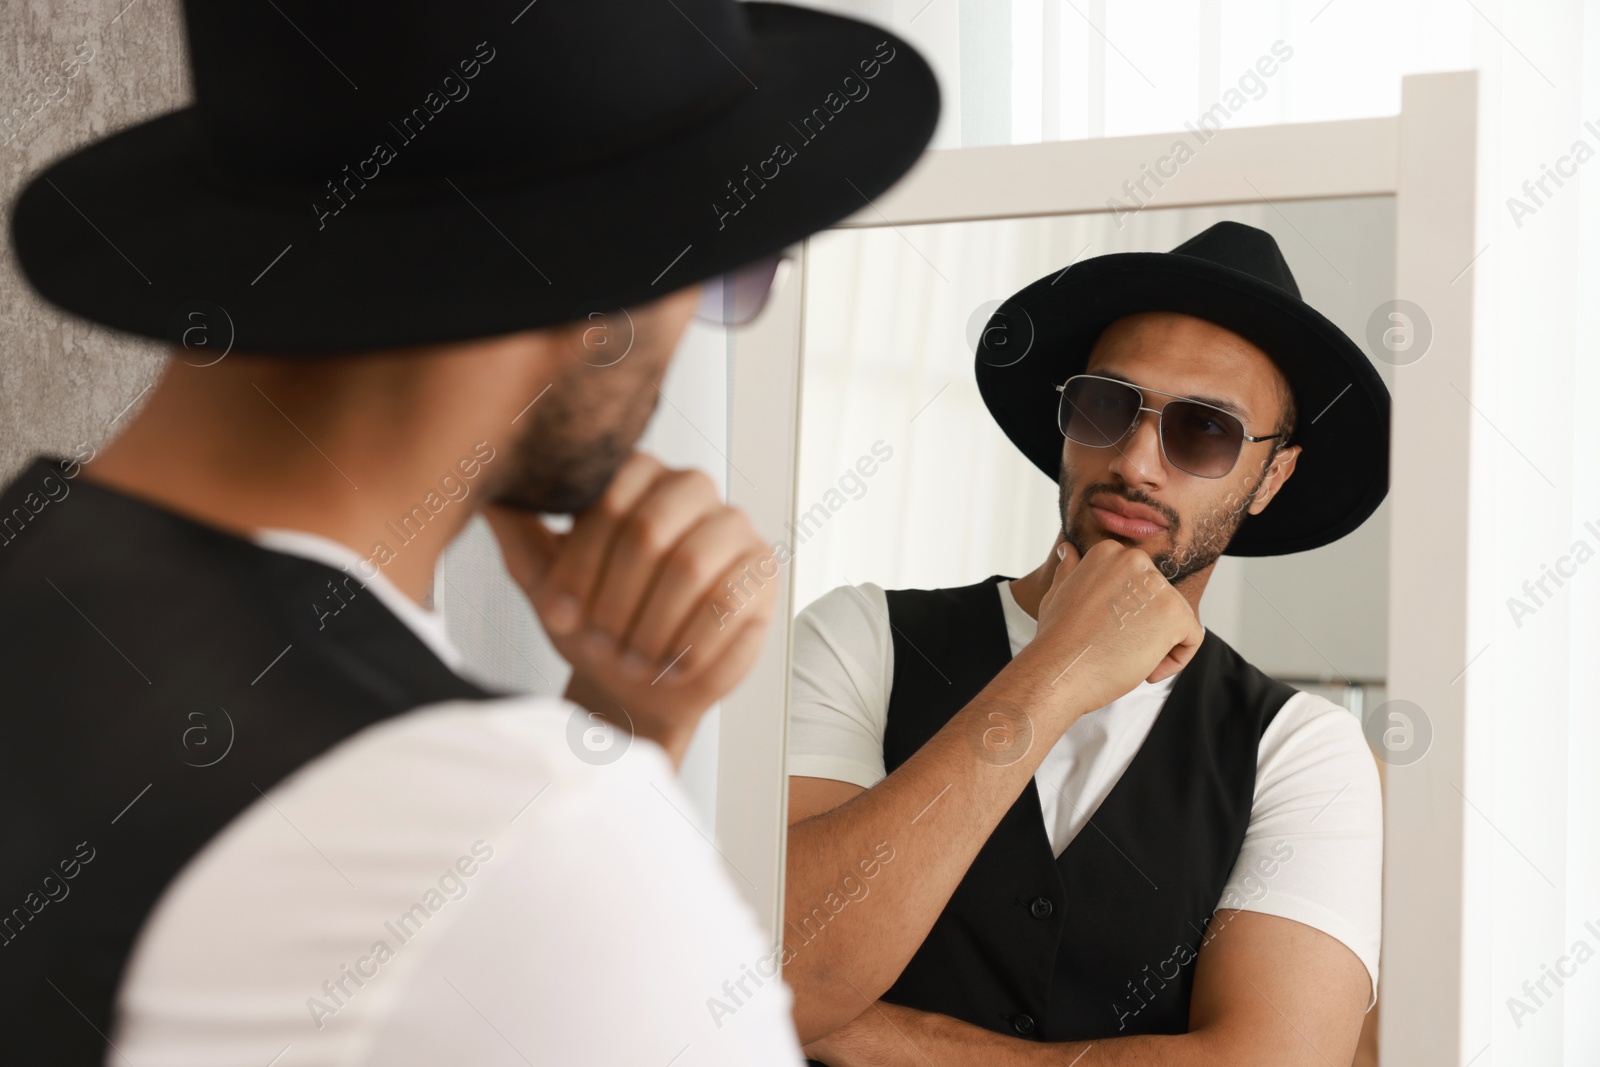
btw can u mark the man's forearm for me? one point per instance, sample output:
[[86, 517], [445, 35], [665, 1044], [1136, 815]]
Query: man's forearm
[[935, 811], [888, 1035], [953, 1043]]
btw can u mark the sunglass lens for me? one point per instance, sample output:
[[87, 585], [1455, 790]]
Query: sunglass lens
[[1200, 439], [1097, 412], [737, 296]]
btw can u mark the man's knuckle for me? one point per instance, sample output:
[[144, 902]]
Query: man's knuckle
[[611, 505], [642, 535], [692, 568], [556, 590], [643, 461], [695, 483], [741, 524]]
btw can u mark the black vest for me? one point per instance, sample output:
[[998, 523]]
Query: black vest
[[1099, 943], [159, 676]]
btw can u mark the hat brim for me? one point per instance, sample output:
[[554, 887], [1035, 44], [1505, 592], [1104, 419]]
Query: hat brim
[[131, 230], [1043, 334]]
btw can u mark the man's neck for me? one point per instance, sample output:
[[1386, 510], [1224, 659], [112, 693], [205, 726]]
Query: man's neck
[[386, 531], [232, 455]]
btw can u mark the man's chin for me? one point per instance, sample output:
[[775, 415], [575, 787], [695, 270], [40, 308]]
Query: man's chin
[[564, 484], [549, 498], [516, 503]]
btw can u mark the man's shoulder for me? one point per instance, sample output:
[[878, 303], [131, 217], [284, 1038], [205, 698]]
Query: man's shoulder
[[550, 741], [1223, 659], [847, 616], [983, 588], [1301, 716], [861, 614], [525, 767], [871, 601], [1253, 697], [56, 522], [1320, 729], [32, 500], [834, 599], [469, 827]]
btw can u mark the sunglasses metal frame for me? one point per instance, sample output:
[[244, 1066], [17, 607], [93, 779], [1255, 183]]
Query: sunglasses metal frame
[[1161, 431]]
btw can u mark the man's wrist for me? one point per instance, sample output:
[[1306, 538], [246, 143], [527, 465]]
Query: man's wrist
[[673, 738], [1061, 687]]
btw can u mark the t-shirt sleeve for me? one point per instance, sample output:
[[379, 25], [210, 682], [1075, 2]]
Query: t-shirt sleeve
[[839, 700], [1314, 849]]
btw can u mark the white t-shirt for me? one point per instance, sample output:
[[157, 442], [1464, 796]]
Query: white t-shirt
[[1313, 851], [456, 885]]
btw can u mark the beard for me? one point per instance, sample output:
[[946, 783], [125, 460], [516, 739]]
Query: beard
[[1186, 554], [554, 473], [586, 428]]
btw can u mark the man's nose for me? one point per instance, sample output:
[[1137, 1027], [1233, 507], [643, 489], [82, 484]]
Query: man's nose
[[1138, 456]]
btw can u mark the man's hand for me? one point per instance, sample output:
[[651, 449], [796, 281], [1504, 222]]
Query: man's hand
[[654, 596], [1111, 620]]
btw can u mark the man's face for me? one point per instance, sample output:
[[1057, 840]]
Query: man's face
[[596, 410], [1195, 517]]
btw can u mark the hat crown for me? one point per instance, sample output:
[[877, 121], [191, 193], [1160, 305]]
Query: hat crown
[[1242, 248], [290, 93]]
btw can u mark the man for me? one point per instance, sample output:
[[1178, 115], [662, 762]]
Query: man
[[1103, 826], [254, 813]]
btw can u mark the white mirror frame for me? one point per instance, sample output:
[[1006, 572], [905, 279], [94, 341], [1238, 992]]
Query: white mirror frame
[[1426, 157]]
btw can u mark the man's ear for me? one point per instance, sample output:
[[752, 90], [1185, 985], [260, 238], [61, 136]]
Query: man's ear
[[1277, 473]]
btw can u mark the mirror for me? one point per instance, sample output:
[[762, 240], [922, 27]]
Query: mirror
[[905, 481], [891, 318]]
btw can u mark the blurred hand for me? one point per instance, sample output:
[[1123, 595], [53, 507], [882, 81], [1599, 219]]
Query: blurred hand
[[1111, 620], [654, 596]]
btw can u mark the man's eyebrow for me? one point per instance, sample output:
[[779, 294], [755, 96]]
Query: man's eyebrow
[[1233, 407]]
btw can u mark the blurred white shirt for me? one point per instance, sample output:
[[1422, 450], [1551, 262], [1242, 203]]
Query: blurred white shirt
[[481, 882]]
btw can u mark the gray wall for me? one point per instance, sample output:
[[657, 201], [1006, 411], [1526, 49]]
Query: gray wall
[[64, 382]]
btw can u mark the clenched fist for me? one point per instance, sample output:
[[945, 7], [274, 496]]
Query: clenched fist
[[1111, 620], [658, 596]]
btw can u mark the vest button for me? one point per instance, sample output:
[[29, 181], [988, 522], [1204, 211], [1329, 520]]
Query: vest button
[[1023, 1024], [1041, 908]]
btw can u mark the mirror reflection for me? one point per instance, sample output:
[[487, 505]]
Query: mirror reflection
[[1091, 563]]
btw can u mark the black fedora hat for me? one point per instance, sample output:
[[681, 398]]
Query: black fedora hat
[[1235, 276], [363, 175]]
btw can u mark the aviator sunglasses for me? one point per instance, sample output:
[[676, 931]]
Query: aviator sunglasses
[[1197, 438]]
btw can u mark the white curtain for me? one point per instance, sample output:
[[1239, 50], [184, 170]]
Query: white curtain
[[1017, 71]]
